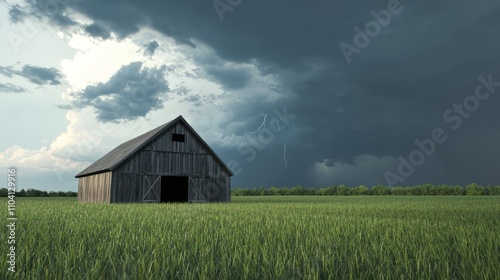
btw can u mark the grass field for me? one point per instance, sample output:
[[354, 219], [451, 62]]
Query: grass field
[[259, 238]]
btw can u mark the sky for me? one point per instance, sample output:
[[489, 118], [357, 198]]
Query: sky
[[312, 93]]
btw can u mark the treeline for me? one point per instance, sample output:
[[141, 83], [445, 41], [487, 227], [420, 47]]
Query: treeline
[[425, 189], [38, 193]]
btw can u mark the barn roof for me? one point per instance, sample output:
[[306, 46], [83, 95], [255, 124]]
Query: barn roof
[[114, 158]]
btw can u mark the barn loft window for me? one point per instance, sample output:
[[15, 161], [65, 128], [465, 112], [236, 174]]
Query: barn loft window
[[178, 137]]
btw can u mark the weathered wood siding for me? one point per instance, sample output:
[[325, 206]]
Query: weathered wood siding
[[209, 180], [210, 189], [164, 142], [125, 187], [95, 188]]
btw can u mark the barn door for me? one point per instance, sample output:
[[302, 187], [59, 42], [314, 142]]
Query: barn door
[[196, 193], [150, 188]]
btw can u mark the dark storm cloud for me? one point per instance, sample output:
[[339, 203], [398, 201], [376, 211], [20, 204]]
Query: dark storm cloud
[[399, 83], [35, 74], [17, 14], [97, 31], [230, 78], [53, 11], [41, 75], [10, 88], [150, 48], [130, 93]]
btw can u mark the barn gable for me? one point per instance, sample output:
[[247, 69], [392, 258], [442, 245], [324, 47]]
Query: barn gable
[[147, 167]]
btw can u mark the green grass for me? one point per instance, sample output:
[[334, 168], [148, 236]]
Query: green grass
[[259, 238]]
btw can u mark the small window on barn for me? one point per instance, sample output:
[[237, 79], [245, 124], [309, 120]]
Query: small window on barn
[[178, 137]]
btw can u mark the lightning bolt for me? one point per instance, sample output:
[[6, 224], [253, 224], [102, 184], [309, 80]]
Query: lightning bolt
[[278, 124], [262, 125], [284, 154]]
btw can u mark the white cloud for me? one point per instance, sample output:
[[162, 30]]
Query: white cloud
[[96, 61]]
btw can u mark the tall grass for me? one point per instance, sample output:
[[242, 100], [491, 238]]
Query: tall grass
[[260, 238]]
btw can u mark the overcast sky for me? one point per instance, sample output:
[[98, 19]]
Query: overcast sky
[[310, 93]]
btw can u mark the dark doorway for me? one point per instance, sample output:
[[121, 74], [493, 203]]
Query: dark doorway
[[174, 189]]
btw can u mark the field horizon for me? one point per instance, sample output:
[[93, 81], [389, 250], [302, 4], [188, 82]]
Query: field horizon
[[275, 237]]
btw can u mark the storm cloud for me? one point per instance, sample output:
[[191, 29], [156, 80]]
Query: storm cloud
[[150, 48], [35, 74], [17, 14], [97, 31], [40, 75], [408, 68], [230, 77], [131, 92]]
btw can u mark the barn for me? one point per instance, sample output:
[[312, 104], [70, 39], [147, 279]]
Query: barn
[[170, 163]]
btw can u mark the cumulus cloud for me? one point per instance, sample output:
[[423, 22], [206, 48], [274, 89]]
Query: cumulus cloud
[[41, 75], [97, 31], [150, 48], [55, 164], [132, 92], [35, 74], [42, 158]]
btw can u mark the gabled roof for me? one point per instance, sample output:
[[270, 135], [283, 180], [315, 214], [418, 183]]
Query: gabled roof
[[118, 155]]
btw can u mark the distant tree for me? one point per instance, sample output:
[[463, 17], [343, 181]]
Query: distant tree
[[380, 190], [495, 190], [71, 194], [298, 190], [283, 191], [53, 194], [343, 190], [474, 189], [431, 189], [444, 190], [332, 190], [21, 193], [33, 193], [492, 190], [458, 190], [360, 190], [273, 191], [401, 190], [423, 189]]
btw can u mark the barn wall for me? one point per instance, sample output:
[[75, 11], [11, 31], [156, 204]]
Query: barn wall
[[95, 188], [210, 189], [164, 142], [125, 187], [139, 173]]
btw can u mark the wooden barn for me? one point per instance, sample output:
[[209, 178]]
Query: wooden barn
[[168, 164]]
